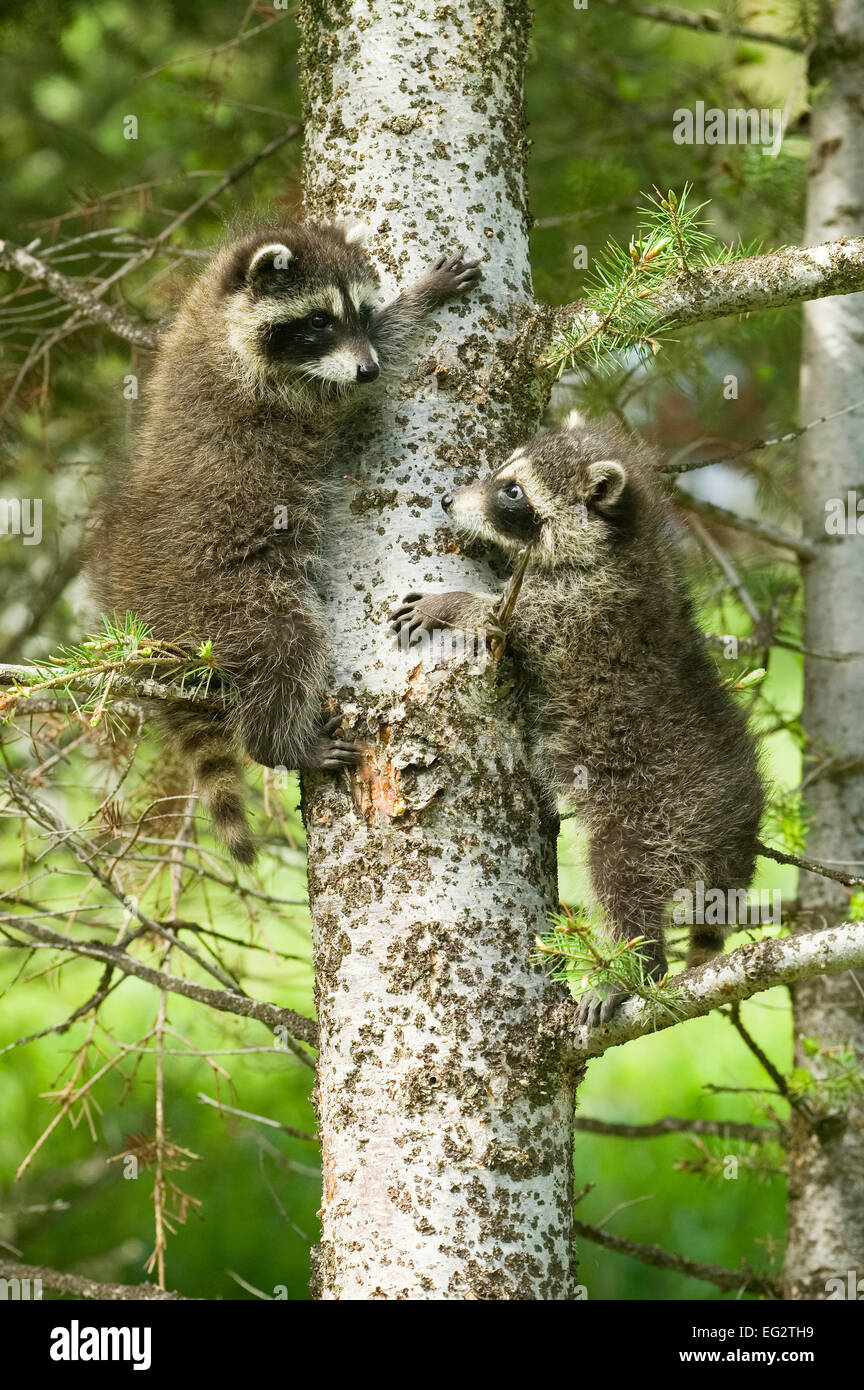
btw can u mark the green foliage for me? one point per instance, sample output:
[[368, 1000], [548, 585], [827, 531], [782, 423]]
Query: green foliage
[[834, 1081], [600, 95], [787, 820], [623, 313], [718, 1159], [125, 647], [576, 954]]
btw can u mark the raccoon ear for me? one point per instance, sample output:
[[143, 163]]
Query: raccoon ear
[[354, 232], [575, 421], [268, 260], [607, 479]]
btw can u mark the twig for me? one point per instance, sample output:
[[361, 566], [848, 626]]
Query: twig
[[708, 22], [779, 1080], [79, 1287], [735, 581], [279, 1020], [671, 1124], [683, 465], [773, 535], [259, 1119], [744, 1280], [813, 866]]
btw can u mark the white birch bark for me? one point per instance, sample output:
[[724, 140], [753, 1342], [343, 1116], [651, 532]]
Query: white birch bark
[[826, 1169], [444, 1110]]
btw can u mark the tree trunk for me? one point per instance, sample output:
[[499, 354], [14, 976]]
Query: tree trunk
[[445, 1113], [826, 1169]]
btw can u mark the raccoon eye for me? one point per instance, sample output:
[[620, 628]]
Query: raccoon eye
[[513, 491], [317, 320]]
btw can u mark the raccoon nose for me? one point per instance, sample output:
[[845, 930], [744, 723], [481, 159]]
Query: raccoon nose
[[447, 501], [367, 371]]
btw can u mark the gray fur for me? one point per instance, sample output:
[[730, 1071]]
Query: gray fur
[[191, 537], [618, 680]]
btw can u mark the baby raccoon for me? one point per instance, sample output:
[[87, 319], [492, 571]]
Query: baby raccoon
[[628, 719], [215, 529]]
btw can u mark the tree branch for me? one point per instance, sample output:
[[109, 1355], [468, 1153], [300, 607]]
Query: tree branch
[[771, 281], [276, 1018], [87, 303], [813, 866], [745, 1280], [773, 535], [125, 687], [673, 1124], [708, 22], [79, 1287], [133, 330], [725, 979]]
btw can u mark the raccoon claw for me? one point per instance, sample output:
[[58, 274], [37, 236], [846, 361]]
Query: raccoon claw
[[594, 1011], [332, 754], [452, 276], [415, 615], [427, 613]]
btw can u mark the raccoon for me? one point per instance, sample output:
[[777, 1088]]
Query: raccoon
[[628, 719], [214, 532]]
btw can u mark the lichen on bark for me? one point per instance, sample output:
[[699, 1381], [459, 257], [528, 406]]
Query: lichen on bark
[[445, 1108]]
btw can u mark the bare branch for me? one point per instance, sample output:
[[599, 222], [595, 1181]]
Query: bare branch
[[259, 1119], [813, 866], [672, 1124], [133, 330], [150, 250], [708, 22], [79, 1287], [744, 1280], [682, 464], [773, 535], [726, 979], [278, 1020]]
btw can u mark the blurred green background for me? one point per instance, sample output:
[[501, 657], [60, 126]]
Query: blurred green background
[[209, 85]]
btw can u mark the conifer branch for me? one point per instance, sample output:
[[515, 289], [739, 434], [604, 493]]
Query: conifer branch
[[726, 979], [641, 293]]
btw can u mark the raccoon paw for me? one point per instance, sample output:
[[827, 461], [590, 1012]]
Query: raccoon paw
[[594, 1010], [329, 753], [419, 613], [449, 276]]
